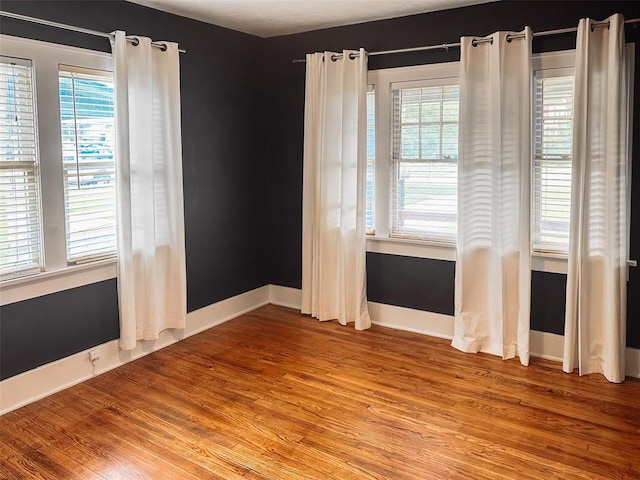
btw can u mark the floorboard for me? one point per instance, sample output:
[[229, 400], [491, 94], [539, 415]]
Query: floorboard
[[277, 395]]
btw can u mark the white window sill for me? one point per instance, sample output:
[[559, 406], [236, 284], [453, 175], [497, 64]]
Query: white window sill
[[32, 286], [542, 262], [549, 262], [411, 248]]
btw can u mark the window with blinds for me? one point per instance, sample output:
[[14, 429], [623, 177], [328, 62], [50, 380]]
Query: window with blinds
[[552, 163], [371, 162], [20, 222], [87, 123], [424, 170]]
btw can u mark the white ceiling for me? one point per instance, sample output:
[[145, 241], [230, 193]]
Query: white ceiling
[[268, 18]]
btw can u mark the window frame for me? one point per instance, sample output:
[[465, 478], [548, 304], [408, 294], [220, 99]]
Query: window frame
[[383, 82], [536, 196], [58, 274], [547, 65]]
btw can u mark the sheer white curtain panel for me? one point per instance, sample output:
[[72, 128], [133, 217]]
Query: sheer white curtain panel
[[151, 253], [333, 235], [595, 323], [492, 296]]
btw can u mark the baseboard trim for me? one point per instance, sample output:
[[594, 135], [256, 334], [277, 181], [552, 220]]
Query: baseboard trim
[[549, 346], [40, 382], [411, 320], [542, 344], [285, 296], [633, 362]]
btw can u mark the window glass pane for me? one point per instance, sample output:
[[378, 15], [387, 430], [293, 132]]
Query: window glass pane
[[20, 231], [410, 136], [426, 199], [87, 122], [450, 141], [410, 105], [430, 141], [450, 110]]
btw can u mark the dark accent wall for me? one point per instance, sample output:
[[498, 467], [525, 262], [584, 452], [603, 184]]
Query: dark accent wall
[[401, 280], [420, 283], [38, 331], [224, 168], [548, 295]]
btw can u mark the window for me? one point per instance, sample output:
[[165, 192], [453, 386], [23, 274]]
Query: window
[[20, 241], [551, 203], [57, 170], [87, 131], [415, 131], [424, 162]]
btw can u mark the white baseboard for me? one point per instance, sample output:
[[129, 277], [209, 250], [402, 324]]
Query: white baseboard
[[411, 320], [285, 296], [633, 362], [549, 346], [30, 386], [542, 345]]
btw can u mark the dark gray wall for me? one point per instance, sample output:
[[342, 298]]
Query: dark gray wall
[[398, 280], [44, 329], [224, 168]]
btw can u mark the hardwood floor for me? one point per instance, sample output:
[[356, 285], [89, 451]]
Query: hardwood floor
[[274, 395]]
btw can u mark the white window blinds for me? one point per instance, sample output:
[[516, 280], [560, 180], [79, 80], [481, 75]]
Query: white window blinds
[[20, 232], [424, 173], [87, 122], [552, 163], [371, 162]]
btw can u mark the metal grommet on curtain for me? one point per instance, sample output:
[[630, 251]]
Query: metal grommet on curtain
[[163, 47], [508, 38], [135, 42], [474, 43], [334, 58], [353, 56]]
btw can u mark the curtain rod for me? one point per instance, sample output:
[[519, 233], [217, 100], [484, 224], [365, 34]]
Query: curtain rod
[[64, 26], [447, 46]]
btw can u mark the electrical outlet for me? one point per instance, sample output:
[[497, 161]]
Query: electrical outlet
[[94, 355]]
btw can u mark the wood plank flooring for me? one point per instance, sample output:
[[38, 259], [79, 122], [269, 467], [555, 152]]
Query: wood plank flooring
[[275, 395]]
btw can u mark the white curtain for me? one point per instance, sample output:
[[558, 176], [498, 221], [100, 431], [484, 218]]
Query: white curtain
[[333, 235], [151, 254], [492, 297], [595, 323]]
